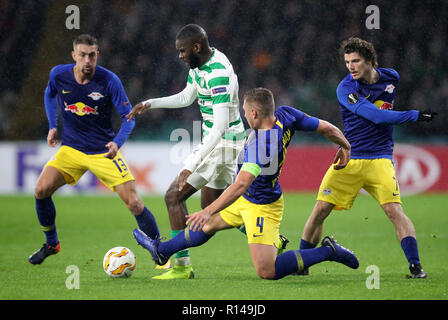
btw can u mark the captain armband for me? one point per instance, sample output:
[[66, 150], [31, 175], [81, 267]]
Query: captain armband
[[251, 168]]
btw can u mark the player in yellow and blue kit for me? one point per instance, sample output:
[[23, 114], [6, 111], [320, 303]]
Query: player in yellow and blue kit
[[88, 94], [366, 98], [255, 198]]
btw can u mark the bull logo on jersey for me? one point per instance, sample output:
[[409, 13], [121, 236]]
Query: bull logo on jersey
[[390, 88], [96, 96], [80, 109], [380, 104]]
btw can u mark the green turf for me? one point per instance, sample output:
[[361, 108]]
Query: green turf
[[89, 226]]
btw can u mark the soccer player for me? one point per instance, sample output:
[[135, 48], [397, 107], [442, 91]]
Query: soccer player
[[255, 198], [88, 95], [366, 97], [212, 165]]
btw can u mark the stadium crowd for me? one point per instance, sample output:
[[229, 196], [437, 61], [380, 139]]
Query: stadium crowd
[[290, 47]]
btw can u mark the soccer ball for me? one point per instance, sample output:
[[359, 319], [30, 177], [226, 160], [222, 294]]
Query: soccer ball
[[119, 262]]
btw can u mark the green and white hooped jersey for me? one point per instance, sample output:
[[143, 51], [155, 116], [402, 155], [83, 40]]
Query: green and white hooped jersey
[[217, 84]]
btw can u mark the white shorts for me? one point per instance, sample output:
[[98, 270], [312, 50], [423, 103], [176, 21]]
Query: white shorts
[[218, 169]]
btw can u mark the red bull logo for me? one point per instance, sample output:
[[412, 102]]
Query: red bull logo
[[81, 109], [380, 104], [390, 88], [96, 96]]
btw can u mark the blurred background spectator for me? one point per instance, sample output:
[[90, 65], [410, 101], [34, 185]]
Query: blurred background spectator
[[290, 47]]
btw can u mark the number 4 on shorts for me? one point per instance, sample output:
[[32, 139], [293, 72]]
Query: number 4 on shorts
[[260, 222]]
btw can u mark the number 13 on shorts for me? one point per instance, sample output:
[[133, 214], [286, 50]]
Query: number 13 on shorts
[[121, 165]]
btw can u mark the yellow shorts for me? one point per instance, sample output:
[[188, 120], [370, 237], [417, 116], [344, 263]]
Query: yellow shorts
[[376, 176], [262, 221], [72, 164]]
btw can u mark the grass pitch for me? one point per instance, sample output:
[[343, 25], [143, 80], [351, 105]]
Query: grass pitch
[[89, 226]]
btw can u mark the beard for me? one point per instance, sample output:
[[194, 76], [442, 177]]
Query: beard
[[194, 60]]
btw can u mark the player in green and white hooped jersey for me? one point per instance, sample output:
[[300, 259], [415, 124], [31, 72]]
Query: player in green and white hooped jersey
[[212, 165]]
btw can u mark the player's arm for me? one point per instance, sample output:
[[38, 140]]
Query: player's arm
[[179, 100], [51, 109], [121, 103], [335, 135], [247, 174], [308, 123], [353, 101]]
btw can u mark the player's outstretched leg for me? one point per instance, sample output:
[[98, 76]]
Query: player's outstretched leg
[[162, 251]]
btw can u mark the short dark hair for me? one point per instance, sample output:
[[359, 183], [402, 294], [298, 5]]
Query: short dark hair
[[192, 32], [263, 98], [364, 48], [85, 39]]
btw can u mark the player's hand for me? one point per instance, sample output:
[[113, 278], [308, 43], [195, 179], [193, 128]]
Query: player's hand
[[138, 109], [113, 149], [182, 180], [426, 115], [198, 219], [52, 139], [341, 159]]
